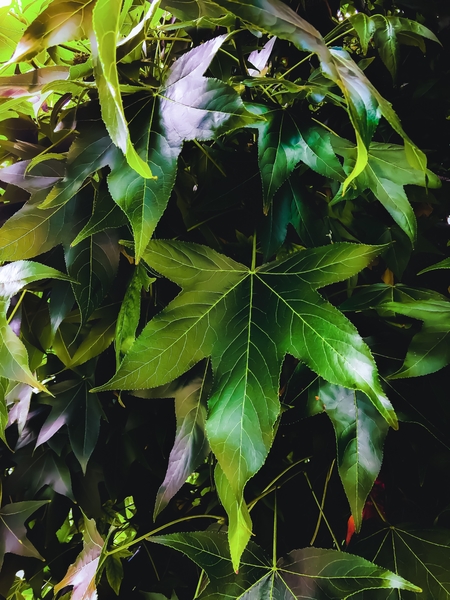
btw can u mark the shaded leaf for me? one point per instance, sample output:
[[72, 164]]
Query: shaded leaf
[[3, 408], [62, 21], [105, 21], [188, 106], [310, 573], [13, 534], [114, 572], [33, 81], [81, 574], [20, 397], [360, 434], [93, 264], [247, 320], [421, 555], [443, 264], [38, 178], [80, 411]]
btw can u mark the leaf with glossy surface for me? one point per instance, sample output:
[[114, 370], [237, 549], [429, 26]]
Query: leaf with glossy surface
[[420, 555], [105, 21], [189, 106], [429, 350], [309, 574], [80, 411], [93, 264], [360, 433], [81, 574], [13, 534], [62, 21], [223, 312]]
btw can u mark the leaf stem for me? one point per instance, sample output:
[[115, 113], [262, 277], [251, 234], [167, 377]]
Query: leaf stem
[[322, 504], [254, 252], [157, 530], [15, 309], [209, 157], [274, 541], [321, 510]]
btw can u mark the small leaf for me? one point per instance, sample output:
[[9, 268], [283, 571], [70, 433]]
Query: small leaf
[[31, 82], [259, 58], [114, 572], [81, 574], [80, 411], [364, 27], [63, 21], [20, 397], [13, 534], [105, 21], [309, 573], [443, 264], [16, 275]]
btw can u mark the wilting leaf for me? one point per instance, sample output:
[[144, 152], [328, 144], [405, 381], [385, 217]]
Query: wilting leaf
[[247, 320], [387, 171], [80, 411], [81, 574], [310, 573], [189, 106], [33, 81], [13, 354], [130, 311], [283, 142], [93, 264], [429, 349], [13, 534], [421, 555], [62, 21], [105, 21], [360, 434]]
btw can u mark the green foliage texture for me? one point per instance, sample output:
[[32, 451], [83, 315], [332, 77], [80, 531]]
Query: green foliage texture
[[224, 299]]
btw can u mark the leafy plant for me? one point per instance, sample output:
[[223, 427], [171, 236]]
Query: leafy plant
[[220, 219]]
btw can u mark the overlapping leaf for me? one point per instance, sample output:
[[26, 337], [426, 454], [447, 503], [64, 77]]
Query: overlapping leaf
[[386, 174], [13, 533], [420, 555], [80, 411], [247, 320], [13, 354], [310, 573], [81, 574], [360, 434], [188, 106]]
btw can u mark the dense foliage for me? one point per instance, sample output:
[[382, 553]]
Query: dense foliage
[[224, 303]]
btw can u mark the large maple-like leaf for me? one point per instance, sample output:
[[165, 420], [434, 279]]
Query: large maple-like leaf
[[247, 320], [306, 574], [81, 574], [188, 106], [13, 534], [421, 555]]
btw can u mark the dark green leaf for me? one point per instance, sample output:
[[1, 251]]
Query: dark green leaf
[[444, 264], [38, 178], [310, 573], [93, 264], [13, 534], [188, 107], [223, 312], [360, 434], [80, 411], [114, 572]]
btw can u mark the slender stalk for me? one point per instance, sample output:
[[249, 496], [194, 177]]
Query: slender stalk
[[322, 504], [274, 541], [16, 308], [321, 510]]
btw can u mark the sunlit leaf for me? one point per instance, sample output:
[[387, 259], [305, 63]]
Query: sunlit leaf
[[310, 573], [81, 574], [223, 312], [30, 82], [13, 534]]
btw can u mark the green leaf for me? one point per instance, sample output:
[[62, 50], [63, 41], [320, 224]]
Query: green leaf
[[387, 171], [130, 311], [93, 264], [364, 27], [80, 411], [81, 574], [443, 264], [11, 30], [91, 151], [421, 555], [13, 354], [385, 38], [247, 320], [105, 21], [19, 396], [360, 434], [429, 350], [3, 408], [30, 82], [310, 573], [13, 534], [63, 21], [114, 572], [378, 294], [38, 178], [283, 142], [32, 231], [189, 106], [191, 446]]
